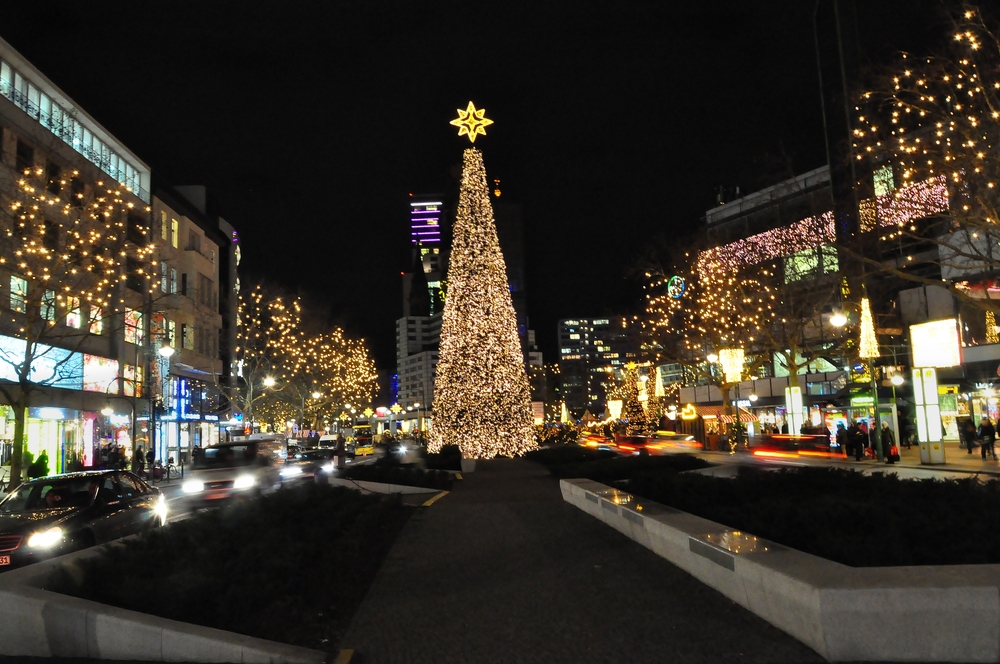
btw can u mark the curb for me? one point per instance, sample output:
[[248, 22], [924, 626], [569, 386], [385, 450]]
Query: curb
[[35, 622]]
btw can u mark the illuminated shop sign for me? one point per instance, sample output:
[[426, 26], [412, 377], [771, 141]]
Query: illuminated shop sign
[[935, 344]]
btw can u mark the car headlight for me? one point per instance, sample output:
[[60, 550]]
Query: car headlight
[[245, 481], [193, 486], [403, 449], [46, 539], [291, 471], [328, 468], [160, 509]]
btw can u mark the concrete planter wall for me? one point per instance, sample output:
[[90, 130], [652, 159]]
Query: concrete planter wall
[[378, 487], [904, 614], [35, 622]]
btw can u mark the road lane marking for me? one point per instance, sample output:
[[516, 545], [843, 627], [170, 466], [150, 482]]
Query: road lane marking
[[430, 502]]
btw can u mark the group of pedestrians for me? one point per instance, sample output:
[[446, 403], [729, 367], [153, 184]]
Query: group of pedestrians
[[985, 436], [861, 441]]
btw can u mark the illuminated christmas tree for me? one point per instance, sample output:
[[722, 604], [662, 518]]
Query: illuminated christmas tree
[[632, 410], [481, 397]]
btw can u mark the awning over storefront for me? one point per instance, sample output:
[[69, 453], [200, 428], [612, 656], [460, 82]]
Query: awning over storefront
[[718, 413]]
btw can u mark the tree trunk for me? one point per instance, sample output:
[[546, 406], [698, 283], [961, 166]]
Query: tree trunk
[[17, 448]]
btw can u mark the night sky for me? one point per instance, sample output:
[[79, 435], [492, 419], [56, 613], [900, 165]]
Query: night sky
[[615, 123]]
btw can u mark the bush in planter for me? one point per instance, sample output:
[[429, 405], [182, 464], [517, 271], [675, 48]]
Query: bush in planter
[[622, 468], [402, 475], [568, 454], [291, 567], [449, 458]]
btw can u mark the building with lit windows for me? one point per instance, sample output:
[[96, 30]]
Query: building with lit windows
[[592, 352], [96, 367], [193, 311]]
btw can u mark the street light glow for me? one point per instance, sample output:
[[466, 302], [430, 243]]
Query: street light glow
[[712, 357], [897, 379], [268, 382], [838, 319], [107, 411], [316, 395]]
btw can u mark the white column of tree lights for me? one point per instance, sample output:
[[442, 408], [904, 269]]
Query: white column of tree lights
[[482, 400]]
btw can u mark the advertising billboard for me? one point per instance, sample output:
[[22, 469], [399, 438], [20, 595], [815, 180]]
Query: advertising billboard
[[100, 374], [936, 344], [51, 366]]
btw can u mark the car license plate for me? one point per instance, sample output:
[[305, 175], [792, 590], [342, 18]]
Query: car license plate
[[4, 560], [216, 496]]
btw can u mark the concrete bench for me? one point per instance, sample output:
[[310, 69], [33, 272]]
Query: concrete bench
[[905, 614]]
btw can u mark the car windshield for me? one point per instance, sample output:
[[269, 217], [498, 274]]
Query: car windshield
[[52, 494]]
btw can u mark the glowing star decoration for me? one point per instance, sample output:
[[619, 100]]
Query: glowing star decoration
[[869, 342], [472, 122], [396, 408], [689, 412], [369, 412]]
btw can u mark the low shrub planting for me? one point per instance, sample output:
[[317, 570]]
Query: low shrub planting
[[396, 474], [859, 520], [290, 567], [449, 458], [608, 466], [554, 456]]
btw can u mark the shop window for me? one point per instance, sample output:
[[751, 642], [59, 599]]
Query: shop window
[[48, 306], [25, 159], [54, 176], [133, 326], [133, 381], [135, 230], [96, 320], [73, 316], [18, 294]]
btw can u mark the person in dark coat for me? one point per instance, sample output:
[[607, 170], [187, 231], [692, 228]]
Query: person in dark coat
[[988, 435], [969, 435], [888, 440], [856, 439], [842, 440]]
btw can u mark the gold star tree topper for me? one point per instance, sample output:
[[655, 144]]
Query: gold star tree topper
[[471, 122]]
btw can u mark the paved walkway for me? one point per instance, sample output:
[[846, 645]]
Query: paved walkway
[[502, 570]]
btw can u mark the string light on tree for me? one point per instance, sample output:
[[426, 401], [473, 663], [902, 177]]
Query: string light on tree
[[481, 399], [868, 348]]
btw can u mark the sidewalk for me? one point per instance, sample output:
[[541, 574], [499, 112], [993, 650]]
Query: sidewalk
[[502, 570]]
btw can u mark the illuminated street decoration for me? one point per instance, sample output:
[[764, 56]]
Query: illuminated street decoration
[[471, 122], [731, 360], [689, 412], [869, 342], [676, 287], [902, 206], [482, 400]]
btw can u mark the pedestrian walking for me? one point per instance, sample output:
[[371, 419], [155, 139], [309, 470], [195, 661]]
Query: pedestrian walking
[[842, 440], [857, 439], [340, 450], [969, 435], [138, 461], [988, 435], [889, 449]]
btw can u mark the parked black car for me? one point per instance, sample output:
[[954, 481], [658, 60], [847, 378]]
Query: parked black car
[[53, 515]]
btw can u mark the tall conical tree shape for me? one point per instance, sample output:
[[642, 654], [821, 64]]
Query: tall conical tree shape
[[632, 410], [481, 396]]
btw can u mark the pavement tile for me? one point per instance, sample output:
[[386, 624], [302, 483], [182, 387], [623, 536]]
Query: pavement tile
[[502, 570]]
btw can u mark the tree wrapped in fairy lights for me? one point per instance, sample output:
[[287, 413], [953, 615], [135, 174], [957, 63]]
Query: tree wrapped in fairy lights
[[632, 411], [925, 140], [481, 397]]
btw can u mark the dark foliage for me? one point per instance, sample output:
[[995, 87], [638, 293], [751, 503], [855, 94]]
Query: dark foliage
[[554, 456], [405, 475], [607, 466], [449, 458], [291, 567], [859, 520]]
